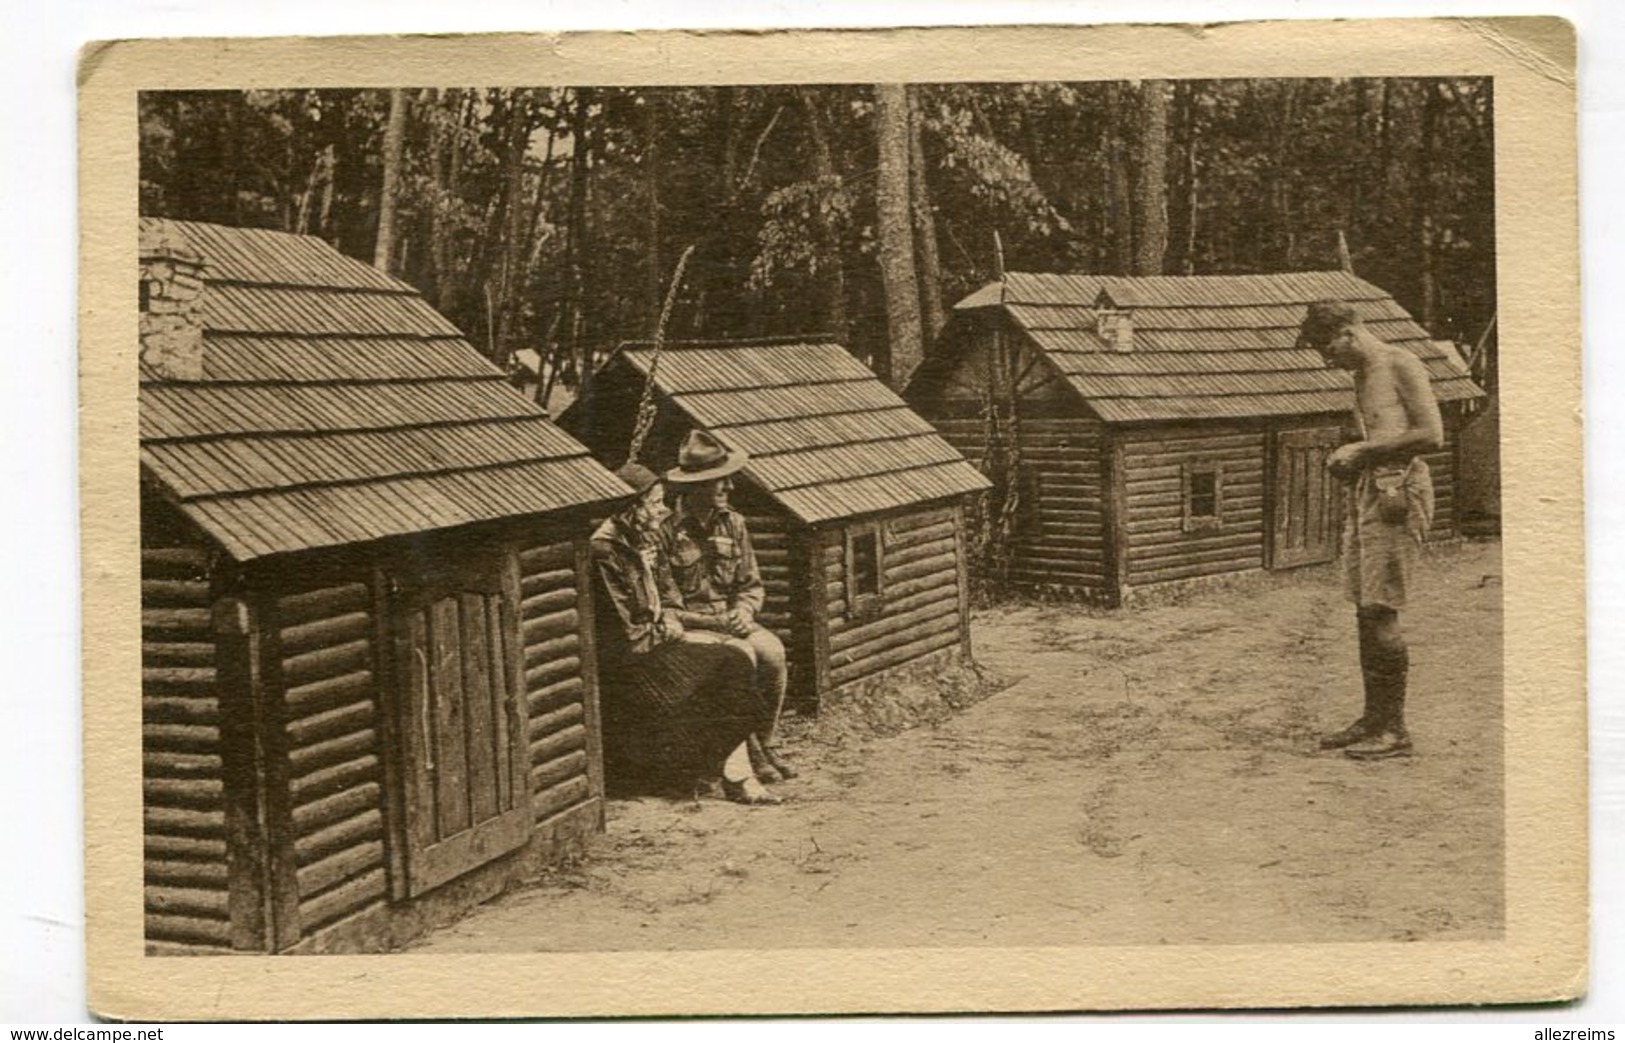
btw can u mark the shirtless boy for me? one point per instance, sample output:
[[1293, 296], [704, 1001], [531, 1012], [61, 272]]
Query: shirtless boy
[[1390, 507]]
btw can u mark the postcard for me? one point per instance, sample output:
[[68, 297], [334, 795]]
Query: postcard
[[916, 520]]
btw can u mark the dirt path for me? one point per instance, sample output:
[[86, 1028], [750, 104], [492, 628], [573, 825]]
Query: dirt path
[[1151, 777]]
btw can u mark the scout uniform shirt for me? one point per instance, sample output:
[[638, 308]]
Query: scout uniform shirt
[[711, 564], [628, 575]]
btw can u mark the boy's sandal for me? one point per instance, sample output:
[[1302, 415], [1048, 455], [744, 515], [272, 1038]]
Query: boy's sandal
[[762, 763], [784, 770], [748, 791]]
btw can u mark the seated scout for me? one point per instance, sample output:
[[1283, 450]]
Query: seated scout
[[673, 710], [715, 581]]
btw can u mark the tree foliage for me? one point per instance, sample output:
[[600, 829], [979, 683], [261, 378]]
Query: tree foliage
[[551, 218]]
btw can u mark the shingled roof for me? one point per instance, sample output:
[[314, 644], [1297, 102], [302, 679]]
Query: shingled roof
[[826, 438], [336, 406], [1206, 346]]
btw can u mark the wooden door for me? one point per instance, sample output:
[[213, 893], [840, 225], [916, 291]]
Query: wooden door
[[1307, 521], [462, 719]]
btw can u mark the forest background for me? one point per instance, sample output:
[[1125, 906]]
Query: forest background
[[551, 218]]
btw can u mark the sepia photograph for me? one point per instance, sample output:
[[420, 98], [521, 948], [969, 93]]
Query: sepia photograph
[[790, 514]]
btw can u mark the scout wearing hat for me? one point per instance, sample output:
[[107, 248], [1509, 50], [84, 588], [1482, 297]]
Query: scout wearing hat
[[673, 711], [713, 573], [703, 458], [706, 541]]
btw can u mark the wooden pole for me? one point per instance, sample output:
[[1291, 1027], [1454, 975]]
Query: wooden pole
[[646, 405]]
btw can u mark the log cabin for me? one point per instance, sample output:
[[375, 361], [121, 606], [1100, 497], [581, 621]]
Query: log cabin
[[855, 504], [368, 689], [1164, 430]]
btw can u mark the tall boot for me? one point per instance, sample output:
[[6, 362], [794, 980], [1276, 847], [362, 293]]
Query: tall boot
[[1370, 720], [1386, 684]]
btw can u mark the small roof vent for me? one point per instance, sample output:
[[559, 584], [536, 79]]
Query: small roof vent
[[1113, 325]]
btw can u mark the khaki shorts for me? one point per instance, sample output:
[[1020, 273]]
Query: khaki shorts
[[1379, 555]]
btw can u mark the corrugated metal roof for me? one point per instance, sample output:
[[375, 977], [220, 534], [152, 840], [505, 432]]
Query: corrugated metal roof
[[1206, 346], [337, 407], [827, 439]]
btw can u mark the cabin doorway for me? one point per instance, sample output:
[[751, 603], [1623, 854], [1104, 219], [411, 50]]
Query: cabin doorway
[[1307, 521], [463, 779]]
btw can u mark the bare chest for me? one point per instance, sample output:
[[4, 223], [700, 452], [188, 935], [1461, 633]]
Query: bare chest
[[1380, 409]]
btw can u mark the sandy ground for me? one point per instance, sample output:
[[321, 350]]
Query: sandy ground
[[1150, 776]]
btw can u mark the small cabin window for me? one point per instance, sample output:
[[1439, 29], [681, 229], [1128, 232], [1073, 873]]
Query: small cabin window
[[1204, 496], [865, 569]]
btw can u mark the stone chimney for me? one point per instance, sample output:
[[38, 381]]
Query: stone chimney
[[171, 305]]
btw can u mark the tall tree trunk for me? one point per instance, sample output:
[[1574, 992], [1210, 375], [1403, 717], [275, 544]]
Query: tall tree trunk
[[538, 207], [484, 270], [1119, 204], [456, 272], [534, 240], [1359, 170], [234, 137], [1286, 218], [520, 128], [436, 256], [575, 242], [383, 253], [1423, 216], [1385, 143], [1105, 219], [925, 224], [654, 112], [1192, 177], [324, 226], [829, 180], [1151, 197], [904, 341], [311, 197]]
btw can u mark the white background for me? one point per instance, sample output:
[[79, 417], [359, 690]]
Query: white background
[[41, 908]]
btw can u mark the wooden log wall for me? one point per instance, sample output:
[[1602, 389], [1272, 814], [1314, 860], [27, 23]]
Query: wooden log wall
[[920, 601], [187, 888], [1443, 466], [770, 538], [556, 667], [1061, 543], [1159, 549], [330, 701]]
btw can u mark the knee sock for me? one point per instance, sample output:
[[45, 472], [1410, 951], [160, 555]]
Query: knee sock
[[1372, 714], [1385, 685]]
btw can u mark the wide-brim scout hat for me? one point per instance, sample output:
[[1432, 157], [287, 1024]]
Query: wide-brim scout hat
[[703, 458]]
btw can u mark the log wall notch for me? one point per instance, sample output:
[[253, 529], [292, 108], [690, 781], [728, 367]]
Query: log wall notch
[[187, 888], [322, 640], [562, 751]]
